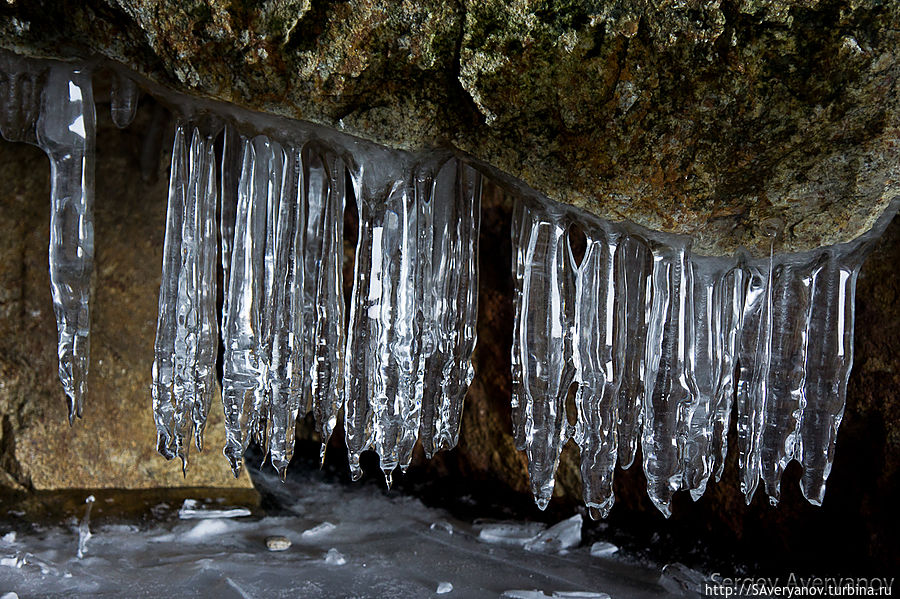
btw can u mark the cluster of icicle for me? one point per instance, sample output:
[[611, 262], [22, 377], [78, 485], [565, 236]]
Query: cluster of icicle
[[660, 343], [657, 341], [402, 368]]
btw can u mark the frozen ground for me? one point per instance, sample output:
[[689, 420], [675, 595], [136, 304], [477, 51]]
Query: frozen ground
[[346, 541]]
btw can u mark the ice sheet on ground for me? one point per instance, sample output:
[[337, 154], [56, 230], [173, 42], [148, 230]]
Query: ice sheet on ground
[[386, 540]]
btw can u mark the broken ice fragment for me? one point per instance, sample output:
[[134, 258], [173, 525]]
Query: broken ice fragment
[[123, 99], [510, 533], [321, 529], [561, 535], [333, 557], [66, 131], [603, 549], [192, 510]]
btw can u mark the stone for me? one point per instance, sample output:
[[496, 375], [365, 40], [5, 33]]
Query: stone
[[698, 118], [278, 543]]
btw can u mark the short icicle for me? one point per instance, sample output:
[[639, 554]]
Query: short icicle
[[123, 99]]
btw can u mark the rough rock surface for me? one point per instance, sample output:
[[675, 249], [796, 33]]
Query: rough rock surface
[[693, 117], [114, 444]]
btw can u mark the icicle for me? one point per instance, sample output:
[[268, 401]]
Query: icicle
[[243, 337], [21, 81], [267, 193], [785, 401], [383, 402], [733, 295], [186, 335], [123, 100], [755, 352], [599, 356], [163, 362], [671, 392], [65, 131], [284, 313], [638, 293], [323, 303], [715, 331], [520, 230], [829, 358], [545, 345], [451, 301]]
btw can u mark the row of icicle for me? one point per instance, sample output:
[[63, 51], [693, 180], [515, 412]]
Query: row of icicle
[[657, 342], [660, 343]]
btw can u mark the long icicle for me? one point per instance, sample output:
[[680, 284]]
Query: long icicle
[[325, 182], [547, 315], [167, 320], [671, 391], [66, 132], [599, 356], [241, 368]]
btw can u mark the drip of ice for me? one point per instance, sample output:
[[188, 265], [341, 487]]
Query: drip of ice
[[84, 527], [123, 100], [652, 335]]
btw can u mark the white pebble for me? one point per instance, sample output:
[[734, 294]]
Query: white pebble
[[278, 543]]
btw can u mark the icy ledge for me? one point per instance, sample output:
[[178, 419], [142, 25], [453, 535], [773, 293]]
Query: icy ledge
[[656, 342], [659, 343]]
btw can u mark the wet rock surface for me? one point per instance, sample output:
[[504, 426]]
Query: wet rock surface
[[701, 118]]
